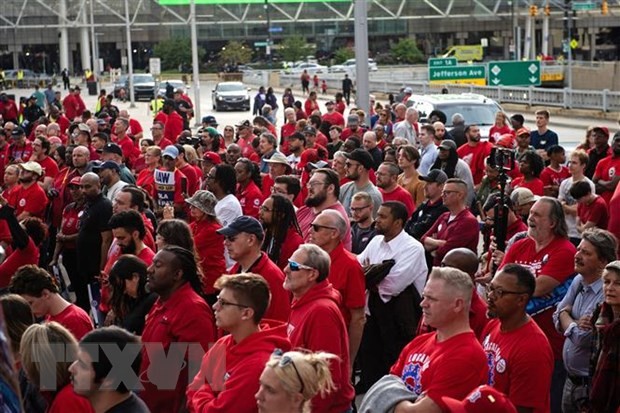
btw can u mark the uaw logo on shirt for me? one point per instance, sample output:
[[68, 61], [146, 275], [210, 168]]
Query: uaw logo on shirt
[[412, 372], [495, 362]]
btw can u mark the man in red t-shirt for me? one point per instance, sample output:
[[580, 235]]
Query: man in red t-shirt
[[548, 253], [39, 288], [174, 122], [428, 365], [345, 273], [28, 198], [519, 356], [474, 152], [332, 116], [591, 208], [387, 177], [607, 173]]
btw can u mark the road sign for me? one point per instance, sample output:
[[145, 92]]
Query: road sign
[[468, 74], [442, 62], [275, 30], [514, 73], [260, 44], [155, 66], [574, 43], [583, 5]]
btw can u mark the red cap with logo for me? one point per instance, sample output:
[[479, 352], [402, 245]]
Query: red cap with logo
[[484, 399]]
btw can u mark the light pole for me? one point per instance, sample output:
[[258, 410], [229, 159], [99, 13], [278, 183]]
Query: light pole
[[268, 48]]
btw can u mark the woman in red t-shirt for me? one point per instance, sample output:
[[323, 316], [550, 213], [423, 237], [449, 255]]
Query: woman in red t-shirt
[[140, 163], [501, 127], [146, 178], [530, 166]]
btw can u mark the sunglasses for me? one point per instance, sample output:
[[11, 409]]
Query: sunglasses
[[295, 266], [287, 360], [317, 227]]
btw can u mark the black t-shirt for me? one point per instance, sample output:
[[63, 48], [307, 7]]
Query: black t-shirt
[[93, 221], [423, 218], [360, 237], [133, 404]]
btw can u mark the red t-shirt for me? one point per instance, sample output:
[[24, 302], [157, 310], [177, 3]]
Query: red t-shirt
[[474, 156], [29, 255], [193, 180], [596, 212], [520, 364], [334, 118], [347, 276], [285, 131], [70, 224], [173, 126], [310, 106], [32, 200], [495, 132], [130, 152], [146, 180], [69, 401], [550, 176], [74, 319], [164, 142], [250, 199], [306, 215], [341, 106], [426, 365], [556, 260], [535, 185], [50, 167], [401, 195], [605, 170], [210, 248]]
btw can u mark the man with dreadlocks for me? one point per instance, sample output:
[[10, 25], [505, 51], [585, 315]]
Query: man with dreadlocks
[[282, 232], [178, 317]]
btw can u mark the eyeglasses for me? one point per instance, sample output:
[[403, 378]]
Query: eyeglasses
[[287, 360], [499, 292], [317, 227], [359, 209], [444, 192], [229, 130], [223, 303], [313, 184], [295, 266]]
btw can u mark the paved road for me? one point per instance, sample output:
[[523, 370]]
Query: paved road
[[570, 130]]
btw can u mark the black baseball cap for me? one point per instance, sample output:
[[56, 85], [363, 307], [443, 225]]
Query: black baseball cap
[[243, 224], [435, 175], [113, 148], [362, 156]]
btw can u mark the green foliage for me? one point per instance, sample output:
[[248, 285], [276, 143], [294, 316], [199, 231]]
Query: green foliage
[[294, 48], [235, 53], [343, 54], [406, 51], [174, 52]]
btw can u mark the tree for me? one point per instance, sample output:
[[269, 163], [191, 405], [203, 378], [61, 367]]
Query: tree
[[175, 52], [235, 53], [343, 54], [294, 48], [406, 51]]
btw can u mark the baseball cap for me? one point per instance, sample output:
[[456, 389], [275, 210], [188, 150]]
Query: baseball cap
[[32, 166], [506, 141], [210, 120], [448, 144], [318, 165], [112, 148], [212, 157], [278, 157], [362, 156], [435, 175], [601, 129], [18, 131], [311, 130], [212, 131], [523, 131], [484, 399], [522, 196], [75, 180], [204, 201], [245, 124], [329, 102], [101, 122], [170, 151], [243, 223], [614, 265], [353, 120], [82, 127], [307, 156], [107, 165], [408, 90]]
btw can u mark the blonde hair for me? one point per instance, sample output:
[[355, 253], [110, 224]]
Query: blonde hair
[[455, 279], [41, 347], [190, 154], [311, 368]]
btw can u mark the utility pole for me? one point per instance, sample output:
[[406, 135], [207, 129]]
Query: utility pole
[[195, 63]]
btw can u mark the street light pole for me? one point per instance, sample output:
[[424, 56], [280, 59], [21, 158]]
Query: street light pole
[[268, 48], [195, 64], [132, 97]]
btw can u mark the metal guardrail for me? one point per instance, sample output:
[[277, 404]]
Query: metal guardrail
[[605, 100]]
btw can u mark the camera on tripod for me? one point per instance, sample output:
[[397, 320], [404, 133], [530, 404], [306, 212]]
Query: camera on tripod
[[502, 159]]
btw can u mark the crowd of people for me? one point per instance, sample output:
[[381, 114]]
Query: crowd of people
[[289, 268]]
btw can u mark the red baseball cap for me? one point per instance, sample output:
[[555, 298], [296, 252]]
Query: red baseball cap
[[506, 141], [602, 129], [75, 180], [213, 157], [484, 399]]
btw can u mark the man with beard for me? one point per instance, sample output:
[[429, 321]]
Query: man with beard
[[28, 198], [109, 173], [475, 152], [323, 191], [607, 173], [358, 166], [296, 145], [448, 161], [94, 237], [128, 231], [519, 356]]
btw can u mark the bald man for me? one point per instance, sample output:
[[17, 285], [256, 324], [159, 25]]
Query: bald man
[[94, 237], [467, 261]]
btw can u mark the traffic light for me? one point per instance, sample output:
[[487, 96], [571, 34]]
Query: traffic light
[[533, 10], [547, 10], [604, 8]]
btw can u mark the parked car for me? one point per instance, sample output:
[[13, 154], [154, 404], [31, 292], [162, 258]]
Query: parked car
[[312, 68], [230, 95], [349, 66], [176, 84], [476, 109], [143, 86]]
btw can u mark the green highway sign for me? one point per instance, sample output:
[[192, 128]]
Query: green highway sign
[[228, 2], [583, 5], [442, 62], [260, 44], [514, 73], [472, 74]]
